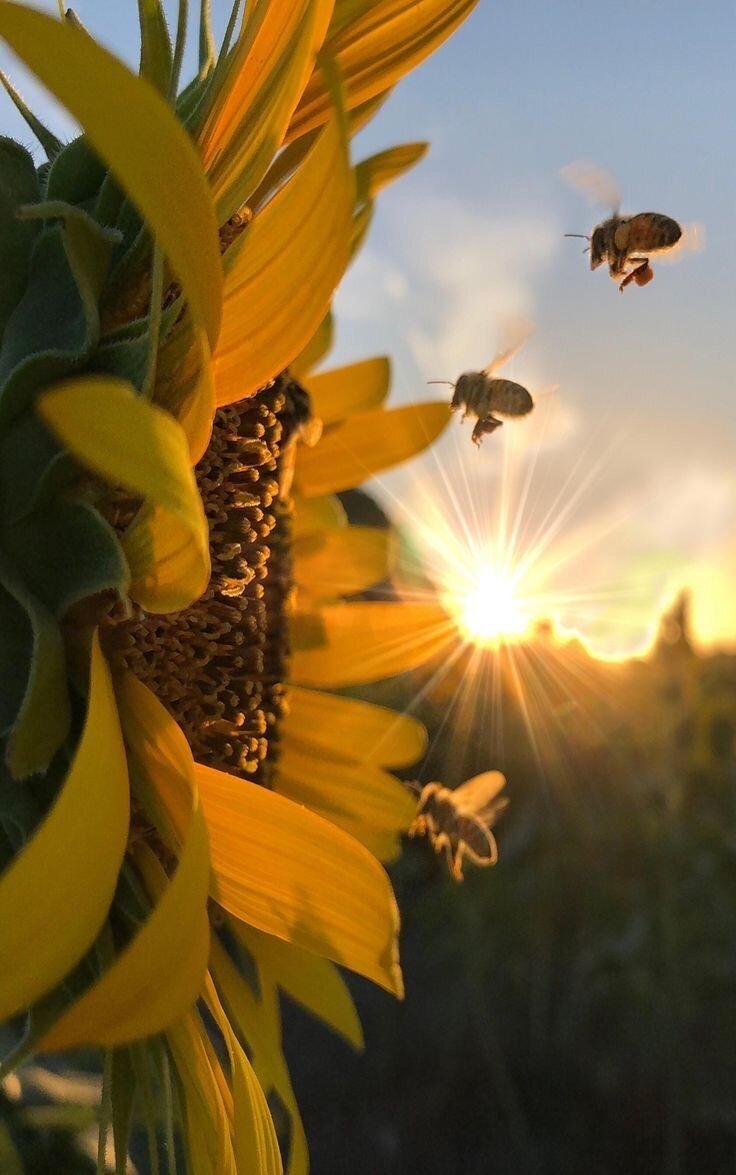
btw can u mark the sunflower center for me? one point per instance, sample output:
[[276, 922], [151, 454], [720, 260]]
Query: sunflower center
[[220, 666]]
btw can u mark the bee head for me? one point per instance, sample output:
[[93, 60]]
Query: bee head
[[598, 246]]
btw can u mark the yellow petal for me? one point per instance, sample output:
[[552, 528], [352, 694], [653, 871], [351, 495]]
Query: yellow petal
[[316, 349], [258, 1022], [365, 444], [316, 514], [162, 761], [139, 137], [266, 74], [292, 257], [207, 1122], [255, 1144], [367, 641], [55, 895], [364, 794], [284, 870], [342, 561], [352, 730], [139, 446], [344, 391], [141, 993], [379, 45], [314, 983], [373, 174], [167, 569]]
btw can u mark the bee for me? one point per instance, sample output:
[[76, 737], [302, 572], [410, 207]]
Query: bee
[[624, 243], [459, 822], [482, 393]]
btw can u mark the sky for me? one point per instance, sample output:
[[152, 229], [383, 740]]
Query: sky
[[621, 486]]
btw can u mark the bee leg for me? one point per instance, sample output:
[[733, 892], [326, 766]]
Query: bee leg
[[483, 426], [642, 273], [456, 862]]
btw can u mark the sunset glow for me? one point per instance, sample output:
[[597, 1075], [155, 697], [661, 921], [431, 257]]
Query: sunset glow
[[488, 610]]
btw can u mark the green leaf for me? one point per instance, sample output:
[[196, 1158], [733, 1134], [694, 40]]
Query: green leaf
[[77, 173], [139, 138], [66, 554], [27, 450], [18, 185], [56, 324], [42, 722], [16, 652]]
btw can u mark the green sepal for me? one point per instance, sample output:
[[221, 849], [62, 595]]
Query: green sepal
[[65, 554], [16, 651], [77, 174], [18, 185], [42, 721], [46, 137], [156, 51], [27, 452], [123, 1092], [56, 325]]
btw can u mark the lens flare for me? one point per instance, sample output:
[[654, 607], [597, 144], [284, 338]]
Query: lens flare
[[489, 610]]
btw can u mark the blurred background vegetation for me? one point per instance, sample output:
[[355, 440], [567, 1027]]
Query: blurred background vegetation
[[573, 1010]]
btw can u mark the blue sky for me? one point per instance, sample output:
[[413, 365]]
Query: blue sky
[[635, 449]]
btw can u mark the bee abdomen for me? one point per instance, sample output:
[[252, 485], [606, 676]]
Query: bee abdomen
[[510, 399], [650, 231]]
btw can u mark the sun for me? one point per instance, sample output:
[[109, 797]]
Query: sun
[[488, 610]]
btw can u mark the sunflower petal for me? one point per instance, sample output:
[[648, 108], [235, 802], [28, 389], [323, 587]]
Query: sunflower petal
[[344, 561], [286, 871], [365, 444], [139, 446], [344, 391], [259, 1023], [71, 862], [348, 729], [367, 641], [291, 259], [316, 349], [374, 173], [141, 994], [376, 46], [167, 568], [364, 794], [266, 74], [206, 1119], [314, 983], [315, 514], [139, 137], [255, 1143]]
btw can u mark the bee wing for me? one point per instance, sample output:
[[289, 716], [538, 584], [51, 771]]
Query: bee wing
[[478, 842], [510, 399], [691, 241], [514, 333], [476, 794], [593, 182]]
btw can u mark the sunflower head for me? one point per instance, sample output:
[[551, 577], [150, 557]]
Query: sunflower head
[[177, 576]]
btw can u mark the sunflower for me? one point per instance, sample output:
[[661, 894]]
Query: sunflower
[[190, 821]]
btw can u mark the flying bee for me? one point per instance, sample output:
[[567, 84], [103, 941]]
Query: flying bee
[[482, 393], [459, 822], [625, 243]]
